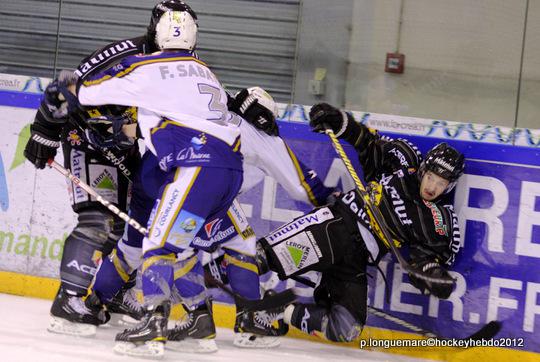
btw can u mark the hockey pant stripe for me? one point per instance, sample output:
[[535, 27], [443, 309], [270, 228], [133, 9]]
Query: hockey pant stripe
[[184, 179], [149, 261], [243, 274], [247, 265], [120, 265]]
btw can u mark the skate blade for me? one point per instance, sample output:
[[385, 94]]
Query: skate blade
[[149, 350], [193, 345], [250, 340], [63, 326], [122, 320]]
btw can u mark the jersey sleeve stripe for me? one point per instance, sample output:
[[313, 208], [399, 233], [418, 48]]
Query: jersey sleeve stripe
[[132, 67]]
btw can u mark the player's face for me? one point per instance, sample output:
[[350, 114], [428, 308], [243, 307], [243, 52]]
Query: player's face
[[432, 186]]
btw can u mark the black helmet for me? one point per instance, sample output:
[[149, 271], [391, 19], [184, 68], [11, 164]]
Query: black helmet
[[161, 8], [445, 161]]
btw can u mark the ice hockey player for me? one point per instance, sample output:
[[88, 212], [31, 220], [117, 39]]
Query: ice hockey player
[[194, 144], [107, 170], [338, 240], [264, 153]]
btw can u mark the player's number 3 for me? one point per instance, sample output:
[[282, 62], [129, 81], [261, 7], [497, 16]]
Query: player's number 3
[[176, 31]]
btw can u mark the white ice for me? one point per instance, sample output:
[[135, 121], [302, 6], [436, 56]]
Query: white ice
[[23, 337]]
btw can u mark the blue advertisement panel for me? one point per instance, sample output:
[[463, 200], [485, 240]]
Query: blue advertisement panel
[[498, 204]]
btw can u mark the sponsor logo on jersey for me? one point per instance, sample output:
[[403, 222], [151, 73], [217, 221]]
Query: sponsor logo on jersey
[[117, 49], [74, 138], [105, 181], [349, 200], [400, 156], [117, 161], [440, 227], [217, 235], [199, 142], [189, 154], [288, 230], [78, 168], [164, 215], [399, 205], [212, 227], [188, 225]]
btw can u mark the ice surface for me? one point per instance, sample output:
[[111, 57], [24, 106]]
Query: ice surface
[[23, 337]]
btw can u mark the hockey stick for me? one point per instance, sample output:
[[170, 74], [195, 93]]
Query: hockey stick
[[377, 219], [488, 331], [268, 302], [277, 300], [115, 210]]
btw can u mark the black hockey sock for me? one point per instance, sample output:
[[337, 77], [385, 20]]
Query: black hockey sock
[[308, 318]]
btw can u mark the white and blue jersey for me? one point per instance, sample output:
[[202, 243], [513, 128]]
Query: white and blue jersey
[[183, 114]]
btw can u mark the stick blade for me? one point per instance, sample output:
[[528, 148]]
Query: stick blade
[[276, 300], [488, 331]]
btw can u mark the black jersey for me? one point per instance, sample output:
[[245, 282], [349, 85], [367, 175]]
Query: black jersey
[[430, 229]]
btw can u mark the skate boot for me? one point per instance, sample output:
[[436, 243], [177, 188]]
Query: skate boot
[[257, 330], [147, 338], [195, 333], [76, 315], [124, 308]]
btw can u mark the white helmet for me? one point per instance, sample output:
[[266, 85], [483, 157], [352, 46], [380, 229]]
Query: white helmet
[[173, 25]]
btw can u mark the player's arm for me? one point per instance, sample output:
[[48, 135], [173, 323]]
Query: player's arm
[[377, 154], [259, 109], [50, 118], [436, 257], [111, 54], [117, 85]]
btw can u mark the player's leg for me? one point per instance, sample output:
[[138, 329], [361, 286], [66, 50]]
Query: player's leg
[[186, 202], [95, 234], [339, 312]]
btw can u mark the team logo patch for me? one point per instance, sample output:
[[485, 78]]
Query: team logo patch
[[105, 181], [198, 142], [74, 138], [212, 227], [188, 225]]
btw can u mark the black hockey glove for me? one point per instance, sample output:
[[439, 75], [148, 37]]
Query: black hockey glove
[[434, 269], [257, 107], [106, 132], [323, 114], [42, 145]]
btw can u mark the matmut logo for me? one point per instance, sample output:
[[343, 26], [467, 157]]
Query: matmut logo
[[213, 227]]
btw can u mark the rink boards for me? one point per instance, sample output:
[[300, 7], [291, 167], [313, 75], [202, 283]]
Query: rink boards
[[498, 202]]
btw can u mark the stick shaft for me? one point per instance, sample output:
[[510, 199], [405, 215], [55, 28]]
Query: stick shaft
[[115, 210]]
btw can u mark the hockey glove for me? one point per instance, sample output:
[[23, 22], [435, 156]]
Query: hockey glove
[[42, 145], [322, 115], [58, 99], [432, 268], [106, 132], [257, 107]]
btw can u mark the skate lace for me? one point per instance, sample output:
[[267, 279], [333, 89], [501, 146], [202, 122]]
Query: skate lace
[[78, 305], [185, 322], [130, 300], [265, 319]]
